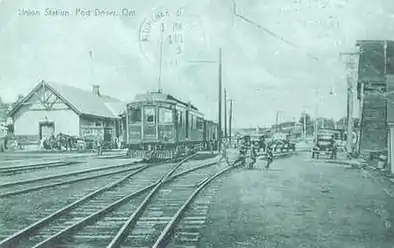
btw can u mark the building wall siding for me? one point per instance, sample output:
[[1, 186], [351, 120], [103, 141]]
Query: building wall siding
[[91, 127], [374, 126], [27, 123]]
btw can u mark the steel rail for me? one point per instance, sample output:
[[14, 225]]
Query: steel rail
[[24, 232], [132, 220], [64, 175], [38, 167], [49, 185], [95, 216], [163, 238], [13, 239]]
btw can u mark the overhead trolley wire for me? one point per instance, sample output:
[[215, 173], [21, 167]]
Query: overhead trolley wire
[[273, 34]]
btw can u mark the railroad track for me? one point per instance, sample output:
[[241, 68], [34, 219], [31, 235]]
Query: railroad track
[[43, 165], [99, 215], [29, 185]]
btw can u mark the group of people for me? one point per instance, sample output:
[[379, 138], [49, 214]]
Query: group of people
[[250, 150], [332, 149], [57, 142]]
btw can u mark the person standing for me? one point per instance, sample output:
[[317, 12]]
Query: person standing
[[270, 157], [253, 154], [99, 146], [333, 148]]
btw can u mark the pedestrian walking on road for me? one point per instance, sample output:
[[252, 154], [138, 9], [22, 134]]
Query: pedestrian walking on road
[[270, 157], [243, 149], [253, 154], [334, 149]]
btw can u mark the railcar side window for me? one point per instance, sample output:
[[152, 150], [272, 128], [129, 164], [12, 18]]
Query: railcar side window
[[180, 117], [200, 123], [191, 122], [165, 115], [135, 115], [150, 115]]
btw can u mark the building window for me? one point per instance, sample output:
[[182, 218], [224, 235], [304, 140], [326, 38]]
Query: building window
[[165, 115], [149, 114], [98, 124], [135, 115]]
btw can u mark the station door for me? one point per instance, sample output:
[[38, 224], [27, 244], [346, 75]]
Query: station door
[[47, 130]]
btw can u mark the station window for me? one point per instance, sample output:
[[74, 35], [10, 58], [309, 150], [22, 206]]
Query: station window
[[98, 124], [150, 115], [135, 115], [165, 115]]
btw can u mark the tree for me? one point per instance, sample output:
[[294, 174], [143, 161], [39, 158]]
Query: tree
[[342, 123], [326, 123]]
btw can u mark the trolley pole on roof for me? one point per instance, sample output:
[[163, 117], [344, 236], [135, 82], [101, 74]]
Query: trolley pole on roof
[[161, 58], [220, 102]]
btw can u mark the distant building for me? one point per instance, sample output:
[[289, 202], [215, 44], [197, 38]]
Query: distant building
[[290, 127], [250, 131], [52, 108]]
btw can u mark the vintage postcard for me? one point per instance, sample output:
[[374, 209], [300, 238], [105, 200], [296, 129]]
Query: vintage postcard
[[209, 123]]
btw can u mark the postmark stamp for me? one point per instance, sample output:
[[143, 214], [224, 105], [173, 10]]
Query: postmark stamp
[[162, 32]]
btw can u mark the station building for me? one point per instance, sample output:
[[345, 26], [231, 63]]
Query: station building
[[53, 108]]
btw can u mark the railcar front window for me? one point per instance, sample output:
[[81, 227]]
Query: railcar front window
[[135, 115], [150, 115], [165, 115]]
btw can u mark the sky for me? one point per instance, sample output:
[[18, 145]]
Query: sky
[[262, 73]]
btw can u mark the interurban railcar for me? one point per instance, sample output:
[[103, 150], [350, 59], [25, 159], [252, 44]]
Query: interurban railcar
[[162, 126]]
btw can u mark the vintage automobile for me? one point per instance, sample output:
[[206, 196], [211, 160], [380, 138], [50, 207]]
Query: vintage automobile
[[324, 143]]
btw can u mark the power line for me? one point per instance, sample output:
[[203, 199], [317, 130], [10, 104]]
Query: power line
[[270, 32]]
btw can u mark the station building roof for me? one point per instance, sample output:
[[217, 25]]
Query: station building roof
[[83, 102]]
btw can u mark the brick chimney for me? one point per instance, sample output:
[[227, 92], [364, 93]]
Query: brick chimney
[[96, 89]]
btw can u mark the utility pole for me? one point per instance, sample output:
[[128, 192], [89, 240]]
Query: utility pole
[[230, 118], [276, 123], [220, 101], [225, 113], [219, 62], [304, 122], [316, 114], [350, 64]]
